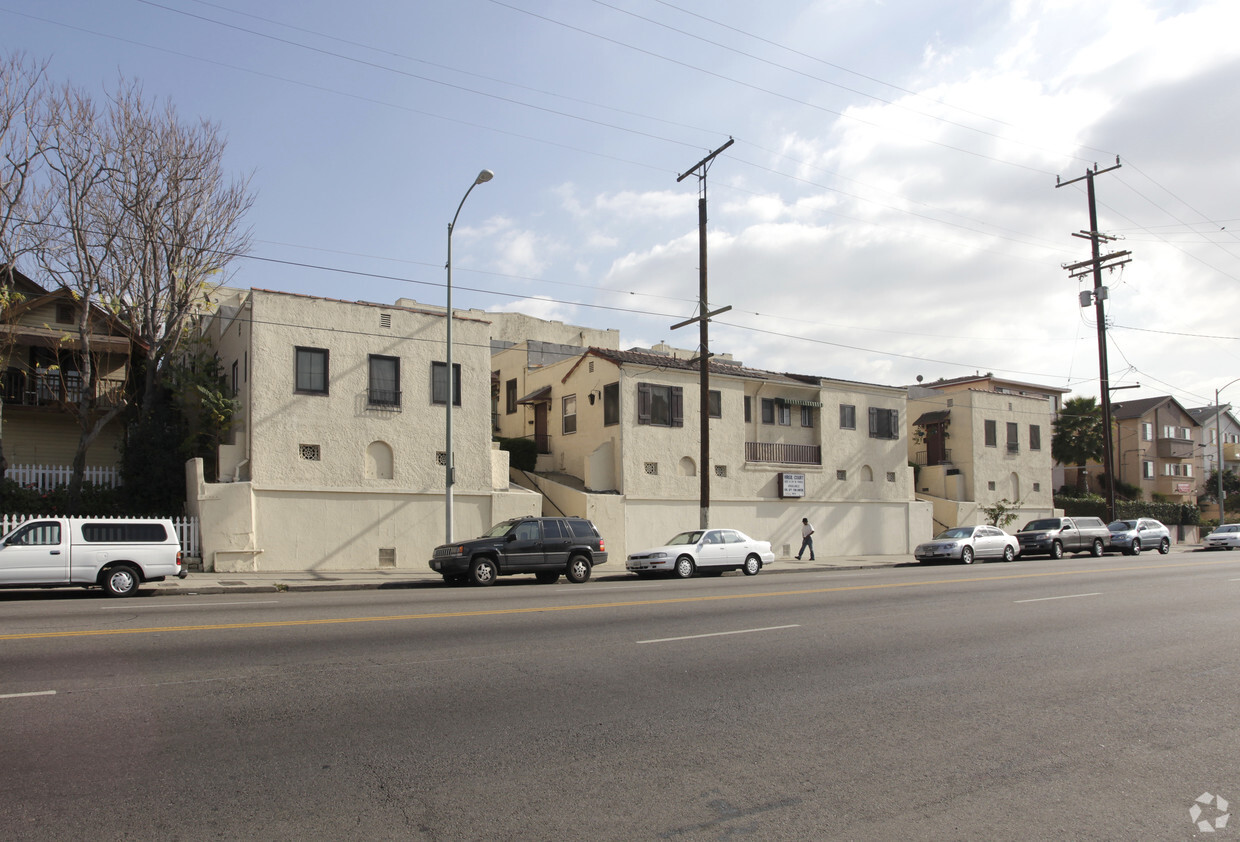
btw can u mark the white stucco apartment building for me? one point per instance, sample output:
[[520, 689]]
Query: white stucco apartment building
[[337, 453], [619, 439]]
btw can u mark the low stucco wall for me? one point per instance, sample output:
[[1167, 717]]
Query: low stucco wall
[[245, 528]]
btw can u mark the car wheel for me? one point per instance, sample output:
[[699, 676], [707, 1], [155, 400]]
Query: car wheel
[[121, 580], [966, 555], [1165, 546], [752, 565], [1056, 550], [483, 572], [1095, 549], [684, 567], [1009, 554], [1136, 547], [547, 577], [578, 570]]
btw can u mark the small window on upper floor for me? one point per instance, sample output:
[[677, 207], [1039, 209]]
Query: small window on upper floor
[[439, 383], [312, 371], [714, 403]]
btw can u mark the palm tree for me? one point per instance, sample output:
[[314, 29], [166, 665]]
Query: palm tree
[[1078, 436]]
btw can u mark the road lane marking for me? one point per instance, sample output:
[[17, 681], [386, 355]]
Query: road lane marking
[[181, 605], [1049, 598], [719, 634], [24, 695], [637, 603]]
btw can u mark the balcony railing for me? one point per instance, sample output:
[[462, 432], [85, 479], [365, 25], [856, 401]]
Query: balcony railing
[[383, 398], [921, 458], [1175, 448], [54, 388], [783, 454]]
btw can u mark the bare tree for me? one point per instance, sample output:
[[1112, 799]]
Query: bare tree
[[180, 219], [143, 218], [24, 135]]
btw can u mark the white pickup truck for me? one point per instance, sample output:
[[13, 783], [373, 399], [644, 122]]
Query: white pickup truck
[[116, 554]]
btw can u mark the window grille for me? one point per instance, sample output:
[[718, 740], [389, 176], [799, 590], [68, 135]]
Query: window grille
[[721, 471], [891, 476], [441, 457], [842, 476], [652, 469], [387, 557], [310, 452]]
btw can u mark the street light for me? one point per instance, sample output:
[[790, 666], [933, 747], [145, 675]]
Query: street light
[[449, 473], [1218, 435]]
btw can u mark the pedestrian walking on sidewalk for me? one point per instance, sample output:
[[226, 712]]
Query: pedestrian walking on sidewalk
[[807, 539]]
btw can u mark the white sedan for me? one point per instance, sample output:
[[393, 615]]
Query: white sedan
[[965, 543], [712, 551], [1226, 537]]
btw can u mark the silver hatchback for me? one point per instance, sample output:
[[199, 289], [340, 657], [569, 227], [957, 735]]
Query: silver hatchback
[[1130, 537]]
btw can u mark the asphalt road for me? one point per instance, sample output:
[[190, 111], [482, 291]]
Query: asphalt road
[[1079, 699]]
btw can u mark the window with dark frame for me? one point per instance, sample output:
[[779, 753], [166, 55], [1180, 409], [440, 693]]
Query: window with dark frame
[[611, 404], [807, 416], [384, 381], [992, 434], [884, 423], [569, 414], [848, 417], [439, 383], [714, 403], [510, 396], [1013, 437], [311, 371], [748, 409], [1035, 437], [660, 406]]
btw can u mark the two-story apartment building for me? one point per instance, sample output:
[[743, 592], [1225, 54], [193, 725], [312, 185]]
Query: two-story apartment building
[[1156, 448], [623, 428], [976, 445], [43, 373], [337, 460]]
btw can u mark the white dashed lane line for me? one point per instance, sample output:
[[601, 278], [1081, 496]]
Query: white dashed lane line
[[1066, 596], [24, 695], [719, 634]]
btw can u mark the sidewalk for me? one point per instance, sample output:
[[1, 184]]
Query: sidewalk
[[346, 580]]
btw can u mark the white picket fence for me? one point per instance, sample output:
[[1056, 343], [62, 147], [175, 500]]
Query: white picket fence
[[47, 477], [186, 527]]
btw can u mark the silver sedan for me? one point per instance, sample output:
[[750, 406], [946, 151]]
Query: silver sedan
[[965, 543]]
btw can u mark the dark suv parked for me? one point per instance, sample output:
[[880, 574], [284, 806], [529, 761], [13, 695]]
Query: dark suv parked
[[544, 546]]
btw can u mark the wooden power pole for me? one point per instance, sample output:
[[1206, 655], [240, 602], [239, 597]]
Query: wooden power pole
[[1095, 265], [703, 319]]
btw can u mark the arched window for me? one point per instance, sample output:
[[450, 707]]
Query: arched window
[[688, 468], [867, 473]]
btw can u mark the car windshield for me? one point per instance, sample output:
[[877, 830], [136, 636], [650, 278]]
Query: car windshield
[[686, 538], [1041, 524], [1122, 525], [958, 532], [500, 529], [1234, 527]]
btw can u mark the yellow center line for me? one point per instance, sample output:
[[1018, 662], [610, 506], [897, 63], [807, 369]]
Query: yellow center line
[[443, 615]]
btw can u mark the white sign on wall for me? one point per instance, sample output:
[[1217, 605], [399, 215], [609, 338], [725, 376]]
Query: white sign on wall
[[791, 485]]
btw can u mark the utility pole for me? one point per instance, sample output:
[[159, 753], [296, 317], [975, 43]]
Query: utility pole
[[1095, 265], [703, 319]]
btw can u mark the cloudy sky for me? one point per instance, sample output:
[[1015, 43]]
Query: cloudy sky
[[888, 210]]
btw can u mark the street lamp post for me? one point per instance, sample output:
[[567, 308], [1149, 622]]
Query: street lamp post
[[450, 472]]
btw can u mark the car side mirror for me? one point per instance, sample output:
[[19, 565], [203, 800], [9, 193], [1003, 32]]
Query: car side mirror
[[511, 537]]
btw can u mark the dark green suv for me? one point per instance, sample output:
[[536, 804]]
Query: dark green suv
[[544, 546]]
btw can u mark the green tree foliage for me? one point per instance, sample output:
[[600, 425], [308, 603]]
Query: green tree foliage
[[1078, 437], [1231, 488], [1001, 513]]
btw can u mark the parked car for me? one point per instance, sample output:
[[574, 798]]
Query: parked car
[[1225, 537], [1054, 536], [965, 543], [544, 546], [1143, 533], [708, 551], [115, 554]]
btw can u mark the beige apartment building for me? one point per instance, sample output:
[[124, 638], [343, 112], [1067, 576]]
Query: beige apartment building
[[618, 436], [977, 441], [337, 456], [1156, 449]]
